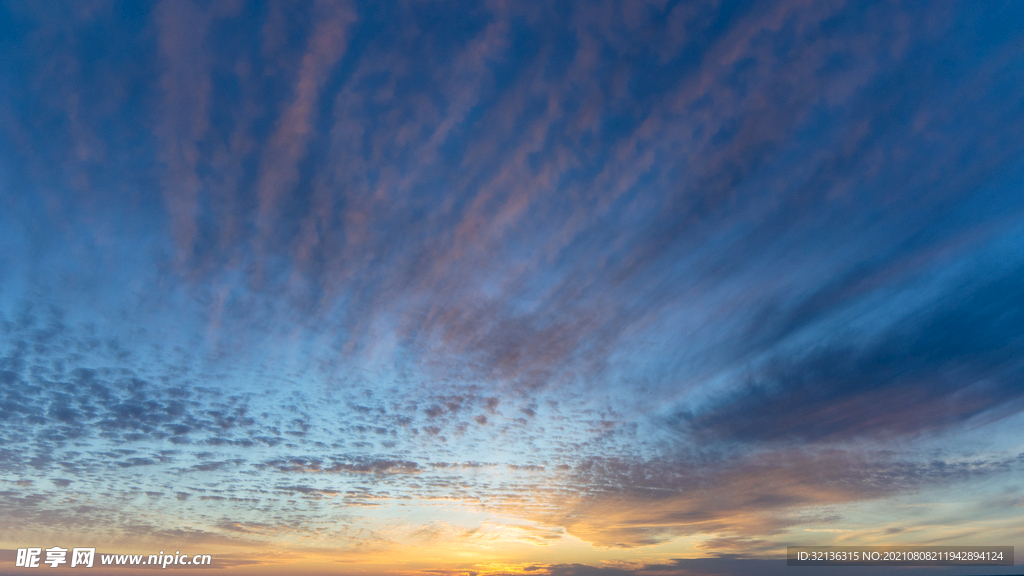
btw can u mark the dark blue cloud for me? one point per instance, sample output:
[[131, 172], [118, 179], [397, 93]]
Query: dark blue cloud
[[957, 359]]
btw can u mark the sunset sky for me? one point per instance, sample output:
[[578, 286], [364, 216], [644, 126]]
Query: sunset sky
[[510, 287]]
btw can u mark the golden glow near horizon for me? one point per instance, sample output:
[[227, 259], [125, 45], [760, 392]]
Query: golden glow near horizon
[[458, 537]]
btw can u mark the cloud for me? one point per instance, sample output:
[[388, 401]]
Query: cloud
[[287, 146], [358, 465], [745, 498], [956, 360]]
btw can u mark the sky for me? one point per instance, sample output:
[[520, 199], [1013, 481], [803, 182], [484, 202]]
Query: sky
[[510, 287]]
